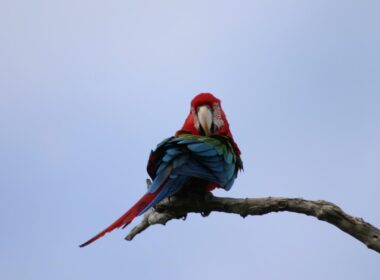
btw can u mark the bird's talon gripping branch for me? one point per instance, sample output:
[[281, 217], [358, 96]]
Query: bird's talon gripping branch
[[246, 207], [208, 195], [205, 214], [163, 206]]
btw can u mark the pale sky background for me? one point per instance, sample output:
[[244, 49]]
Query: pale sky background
[[88, 88]]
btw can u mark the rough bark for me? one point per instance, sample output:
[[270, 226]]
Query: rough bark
[[179, 206]]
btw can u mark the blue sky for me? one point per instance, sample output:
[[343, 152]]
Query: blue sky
[[88, 88]]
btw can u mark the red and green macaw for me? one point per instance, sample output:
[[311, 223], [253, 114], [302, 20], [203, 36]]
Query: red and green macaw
[[203, 154]]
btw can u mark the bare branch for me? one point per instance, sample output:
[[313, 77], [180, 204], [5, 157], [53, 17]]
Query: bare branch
[[179, 206]]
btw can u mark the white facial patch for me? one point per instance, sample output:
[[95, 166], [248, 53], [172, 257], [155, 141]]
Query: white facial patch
[[218, 121]]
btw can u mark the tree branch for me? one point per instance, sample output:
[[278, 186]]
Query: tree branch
[[179, 206]]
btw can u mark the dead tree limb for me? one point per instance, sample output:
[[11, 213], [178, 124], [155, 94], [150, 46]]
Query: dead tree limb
[[179, 206]]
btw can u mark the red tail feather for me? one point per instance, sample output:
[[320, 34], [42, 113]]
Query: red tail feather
[[127, 217]]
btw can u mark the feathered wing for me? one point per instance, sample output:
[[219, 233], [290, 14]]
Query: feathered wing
[[209, 158], [174, 161]]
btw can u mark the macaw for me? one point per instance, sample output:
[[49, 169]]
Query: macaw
[[201, 155]]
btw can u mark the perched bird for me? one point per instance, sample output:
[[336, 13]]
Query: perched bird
[[202, 155]]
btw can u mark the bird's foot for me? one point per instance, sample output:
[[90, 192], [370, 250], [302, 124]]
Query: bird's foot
[[183, 218], [205, 214], [208, 195]]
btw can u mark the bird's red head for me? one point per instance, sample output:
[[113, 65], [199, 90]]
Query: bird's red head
[[207, 118]]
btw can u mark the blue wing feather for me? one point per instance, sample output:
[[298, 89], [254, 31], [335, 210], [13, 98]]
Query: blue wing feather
[[215, 166], [167, 158], [174, 152], [161, 167], [160, 179], [228, 157], [193, 169], [199, 147], [179, 161], [209, 153], [229, 184]]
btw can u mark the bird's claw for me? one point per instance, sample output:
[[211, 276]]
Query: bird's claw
[[205, 214], [184, 217], [208, 195]]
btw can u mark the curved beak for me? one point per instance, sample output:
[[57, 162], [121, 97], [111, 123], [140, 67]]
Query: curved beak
[[205, 118]]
